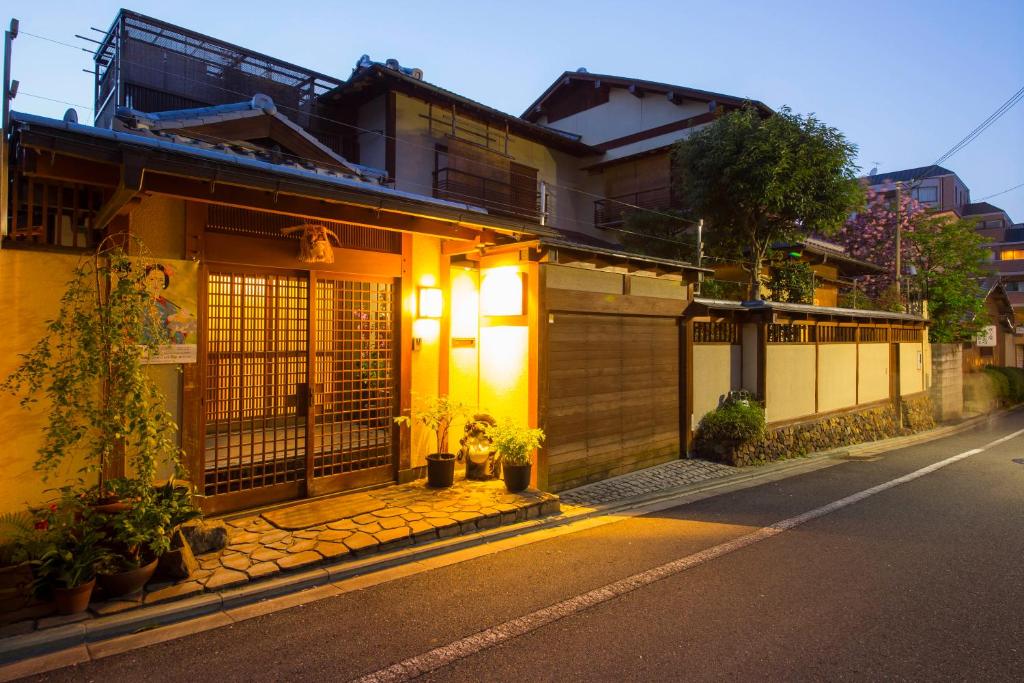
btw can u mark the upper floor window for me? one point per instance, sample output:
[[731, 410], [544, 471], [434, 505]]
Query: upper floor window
[[925, 195], [1012, 254], [995, 223]]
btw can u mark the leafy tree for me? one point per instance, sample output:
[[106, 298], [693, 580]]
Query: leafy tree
[[793, 282], [665, 234], [950, 261], [870, 235], [758, 182]]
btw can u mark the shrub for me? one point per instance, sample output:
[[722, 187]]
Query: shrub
[[1015, 380], [735, 421], [1000, 383]]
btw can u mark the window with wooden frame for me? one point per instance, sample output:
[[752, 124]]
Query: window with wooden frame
[[53, 213]]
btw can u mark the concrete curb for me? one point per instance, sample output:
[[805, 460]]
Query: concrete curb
[[16, 648]]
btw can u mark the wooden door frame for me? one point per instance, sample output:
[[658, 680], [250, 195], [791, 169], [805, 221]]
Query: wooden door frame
[[194, 412]]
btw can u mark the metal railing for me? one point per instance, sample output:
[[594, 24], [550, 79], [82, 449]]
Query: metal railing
[[492, 194], [610, 212]]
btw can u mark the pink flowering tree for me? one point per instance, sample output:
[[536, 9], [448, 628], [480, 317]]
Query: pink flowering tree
[[871, 236]]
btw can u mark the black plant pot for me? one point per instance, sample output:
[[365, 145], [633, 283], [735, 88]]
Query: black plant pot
[[517, 477], [440, 470]]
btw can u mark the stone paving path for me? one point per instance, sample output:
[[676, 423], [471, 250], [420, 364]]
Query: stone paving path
[[412, 514], [650, 480]]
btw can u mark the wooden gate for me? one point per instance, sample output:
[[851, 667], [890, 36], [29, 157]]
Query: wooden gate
[[613, 396], [299, 385]]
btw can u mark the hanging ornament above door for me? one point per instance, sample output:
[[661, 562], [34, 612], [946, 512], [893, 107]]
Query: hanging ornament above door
[[314, 242]]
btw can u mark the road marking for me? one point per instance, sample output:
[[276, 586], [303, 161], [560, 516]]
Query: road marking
[[445, 655]]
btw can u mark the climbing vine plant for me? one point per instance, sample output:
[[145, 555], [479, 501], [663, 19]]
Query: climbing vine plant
[[90, 367]]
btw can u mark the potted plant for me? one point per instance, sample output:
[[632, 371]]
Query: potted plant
[[514, 444], [67, 570], [137, 537], [23, 540], [437, 414]]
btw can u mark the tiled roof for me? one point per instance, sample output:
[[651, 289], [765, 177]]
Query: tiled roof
[[171, 123], [907, 175], [650, 86], [980, 208]]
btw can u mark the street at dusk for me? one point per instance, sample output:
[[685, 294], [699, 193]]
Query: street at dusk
[[559, 341]]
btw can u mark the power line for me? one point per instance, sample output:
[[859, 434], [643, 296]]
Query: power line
[[1009, 189], [972, 136], [382, 135]]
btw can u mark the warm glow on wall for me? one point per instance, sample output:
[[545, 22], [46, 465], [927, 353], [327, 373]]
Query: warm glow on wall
[[501, 291], [431, 302]]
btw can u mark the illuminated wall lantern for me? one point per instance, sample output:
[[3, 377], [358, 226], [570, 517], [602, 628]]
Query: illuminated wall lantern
[[501, 292], [431, 302]]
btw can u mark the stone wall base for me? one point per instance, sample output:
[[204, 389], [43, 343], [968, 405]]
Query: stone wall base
[[914, 414]]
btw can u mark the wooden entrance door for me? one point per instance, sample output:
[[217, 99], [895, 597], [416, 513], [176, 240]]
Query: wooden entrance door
[[299, 387]]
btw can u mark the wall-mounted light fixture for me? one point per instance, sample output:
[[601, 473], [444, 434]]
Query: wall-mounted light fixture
[[430, 303], [501, 291]]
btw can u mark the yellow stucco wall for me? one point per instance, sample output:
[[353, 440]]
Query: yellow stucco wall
[[911, 368], [426, 271], [789, 387], [716, 372], [505, 358], [463, 361], [32, 282], [873, 380], [837, 376]]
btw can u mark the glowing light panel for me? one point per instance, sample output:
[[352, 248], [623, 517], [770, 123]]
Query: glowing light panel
[[501, 292], [431, 303]]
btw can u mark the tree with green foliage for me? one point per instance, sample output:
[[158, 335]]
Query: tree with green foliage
[[758, 182], [792, 282], [950, 262], [665, 233]]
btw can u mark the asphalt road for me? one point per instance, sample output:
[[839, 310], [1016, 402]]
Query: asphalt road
[[923, 581]]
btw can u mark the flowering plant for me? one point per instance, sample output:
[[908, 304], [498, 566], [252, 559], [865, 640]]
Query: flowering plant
[[71, 534]]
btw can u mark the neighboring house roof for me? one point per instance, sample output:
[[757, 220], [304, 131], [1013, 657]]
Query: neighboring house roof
[[980, 208], [533, 112], [994, 290], [907, 175], [718, 304], [262, 171], [255, 119], [829, 251], [367, 73]]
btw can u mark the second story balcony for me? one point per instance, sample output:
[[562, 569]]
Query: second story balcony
[[610, 212], [519, 199]]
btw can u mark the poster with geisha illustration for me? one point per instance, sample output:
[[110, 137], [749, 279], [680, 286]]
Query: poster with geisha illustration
[[173, 285]]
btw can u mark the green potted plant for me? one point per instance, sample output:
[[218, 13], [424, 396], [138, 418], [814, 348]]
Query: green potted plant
[[437, 414], [23, 541], [73, 533], [514, 444], [137, 537]]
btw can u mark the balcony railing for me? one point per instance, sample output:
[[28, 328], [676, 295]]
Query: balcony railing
[[492, 194], [609, 213]]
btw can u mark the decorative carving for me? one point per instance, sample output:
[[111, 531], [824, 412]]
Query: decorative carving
[[314, 243], [477, 450]]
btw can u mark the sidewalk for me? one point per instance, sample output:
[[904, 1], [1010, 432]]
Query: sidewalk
[[326, 531], [487, 525]]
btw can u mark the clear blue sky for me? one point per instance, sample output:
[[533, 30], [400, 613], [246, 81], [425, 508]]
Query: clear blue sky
[[905, 81]]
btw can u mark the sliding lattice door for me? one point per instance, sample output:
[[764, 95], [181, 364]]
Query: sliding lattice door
[[270, 336]]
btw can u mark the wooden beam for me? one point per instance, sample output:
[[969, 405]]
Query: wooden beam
[[559, 300], [635, 91], [305, 207]]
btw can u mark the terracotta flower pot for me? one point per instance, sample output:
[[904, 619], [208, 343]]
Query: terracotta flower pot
[[440, 470], [517, 477], [127, 582], [73, 600]]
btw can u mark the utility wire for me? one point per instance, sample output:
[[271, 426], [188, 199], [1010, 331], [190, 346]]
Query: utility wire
[[972, 136], [1010, 189]]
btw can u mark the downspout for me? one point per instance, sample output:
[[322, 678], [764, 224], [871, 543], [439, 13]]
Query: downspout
[[10, 89]]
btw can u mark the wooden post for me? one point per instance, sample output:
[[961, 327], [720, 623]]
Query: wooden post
[[686, 387]]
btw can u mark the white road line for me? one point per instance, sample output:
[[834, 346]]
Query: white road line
[[470, 645]]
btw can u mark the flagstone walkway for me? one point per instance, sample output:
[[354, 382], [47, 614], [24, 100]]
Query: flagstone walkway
[[406, 514]]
